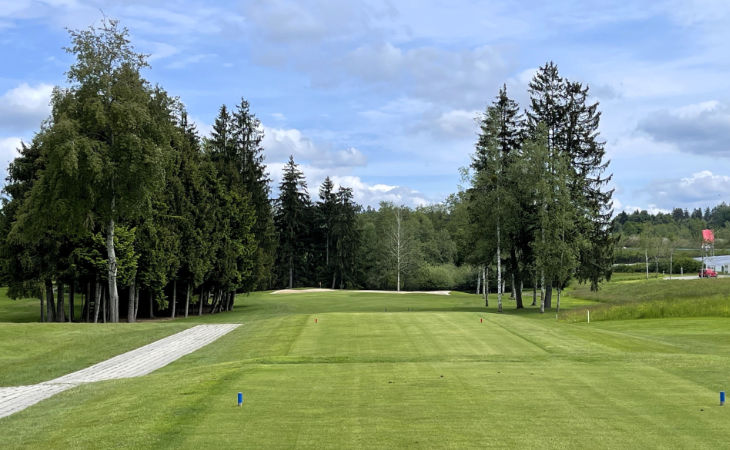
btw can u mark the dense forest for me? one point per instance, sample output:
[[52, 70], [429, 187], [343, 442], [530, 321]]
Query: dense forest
[[118, 199]]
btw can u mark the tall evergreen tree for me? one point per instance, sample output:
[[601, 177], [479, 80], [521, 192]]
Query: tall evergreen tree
[[326, 216], [571, 126], [345, 236], [493, 191], [291, 217], [248, 135]]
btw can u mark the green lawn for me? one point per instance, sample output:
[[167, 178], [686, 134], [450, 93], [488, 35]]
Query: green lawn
[[381, 370]]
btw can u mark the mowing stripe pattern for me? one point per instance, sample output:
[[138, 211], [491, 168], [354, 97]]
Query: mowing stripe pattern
[[135, 363]]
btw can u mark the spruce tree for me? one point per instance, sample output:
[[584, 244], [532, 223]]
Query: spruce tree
[[291, 217]]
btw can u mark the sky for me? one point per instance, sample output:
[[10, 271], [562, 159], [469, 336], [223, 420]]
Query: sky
[[384, 96]]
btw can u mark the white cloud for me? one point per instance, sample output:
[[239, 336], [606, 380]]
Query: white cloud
[[429, 72], [204, 128], [24, 107], [364, 193], [459, 123], [372, 194], [701, 189], [8, 151], [279, 143]]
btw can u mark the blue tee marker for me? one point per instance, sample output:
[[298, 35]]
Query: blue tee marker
[[722, 398], [240, 398]]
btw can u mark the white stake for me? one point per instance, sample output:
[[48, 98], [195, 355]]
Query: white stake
[[589, 315]]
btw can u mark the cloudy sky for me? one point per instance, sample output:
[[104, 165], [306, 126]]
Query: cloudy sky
[[383, 95]]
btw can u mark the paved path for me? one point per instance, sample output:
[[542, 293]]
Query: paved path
[[134, 363]]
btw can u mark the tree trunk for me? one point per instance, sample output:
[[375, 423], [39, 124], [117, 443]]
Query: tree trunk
[[485, 285], [104, 305], [557, 308], [479, 279], [542, 291], [87, 302], [97, 300], [112, 271], [200, 302], [43, 312], [549, 295], [50, 303], [130, 307], [512, 292], [174, 298], [516, 278], [646, 256], [334, 279], [136, 300], [187, 300], [60, 307], [291, 274], [71, 300], [152, 305], [499, 273]]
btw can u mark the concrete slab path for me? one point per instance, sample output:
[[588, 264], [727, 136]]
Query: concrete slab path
[[135, 363]]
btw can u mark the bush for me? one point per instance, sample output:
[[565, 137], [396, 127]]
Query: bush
[[443, 277]]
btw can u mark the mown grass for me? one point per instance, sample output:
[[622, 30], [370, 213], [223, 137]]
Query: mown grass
[[383, 370], [654, 298]]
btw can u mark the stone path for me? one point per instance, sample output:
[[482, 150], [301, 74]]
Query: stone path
[[134, 363]]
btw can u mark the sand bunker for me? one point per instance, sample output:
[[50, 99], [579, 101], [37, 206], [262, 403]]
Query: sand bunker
[[303, 291]]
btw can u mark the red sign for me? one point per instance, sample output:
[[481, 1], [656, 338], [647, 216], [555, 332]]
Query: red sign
[[708, 236]]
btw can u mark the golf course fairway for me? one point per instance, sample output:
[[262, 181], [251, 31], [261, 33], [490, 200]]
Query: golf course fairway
[[373, 370]]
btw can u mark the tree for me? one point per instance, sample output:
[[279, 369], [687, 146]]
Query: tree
[[497, 148], [248, 135], [555, 242], [571, 127], [401, 247], [290, 218], [104, 147], [326, 216], [345, 235]]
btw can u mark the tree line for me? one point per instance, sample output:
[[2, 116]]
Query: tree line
[[119, 199]]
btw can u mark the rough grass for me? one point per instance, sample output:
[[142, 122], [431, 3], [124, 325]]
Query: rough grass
[[643, 299], [426, 373]]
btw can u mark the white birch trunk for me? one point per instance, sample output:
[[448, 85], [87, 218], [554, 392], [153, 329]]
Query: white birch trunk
[[479, 279], [174, 298], [558, 308], [187, 300], [485, 285], [130, 306], [112, 272], [542, 291]]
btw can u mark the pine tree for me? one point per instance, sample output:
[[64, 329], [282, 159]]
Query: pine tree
[[326, 216], [291, 219], [248, 135], [571, 127], [492, 192], [345, 235]]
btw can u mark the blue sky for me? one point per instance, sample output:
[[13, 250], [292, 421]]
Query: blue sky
[[383, 95]]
